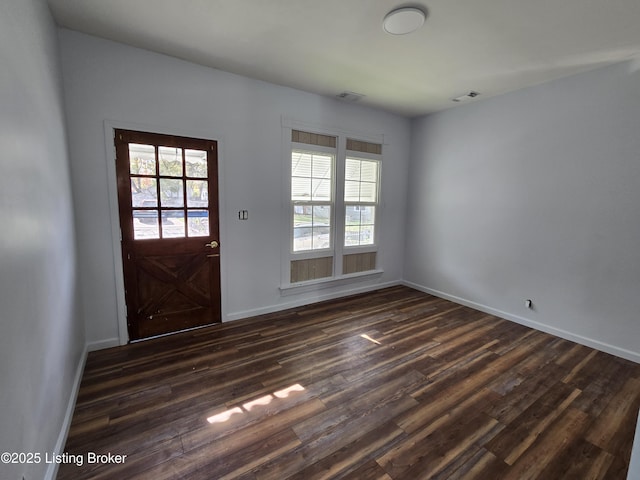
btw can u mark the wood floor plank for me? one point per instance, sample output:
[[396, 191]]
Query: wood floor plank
[[603, 433], [336, 438], [358, 401], [483, 464], [368, 471], [520, 447], [553, 442], [525, 394], [425, 456], [576, 369], [206, 462], [523, 430], [588, 462], [388, 385], [354, 455], [401, 456]]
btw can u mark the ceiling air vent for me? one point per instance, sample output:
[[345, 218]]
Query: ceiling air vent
[[349, 96], [466, 96]]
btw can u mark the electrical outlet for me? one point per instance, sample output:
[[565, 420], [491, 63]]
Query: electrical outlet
[[528, 303]]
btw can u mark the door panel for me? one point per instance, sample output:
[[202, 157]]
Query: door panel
[[168, 205]]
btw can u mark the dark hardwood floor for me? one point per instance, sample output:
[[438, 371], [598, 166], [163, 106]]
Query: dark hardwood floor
[[394, 384]]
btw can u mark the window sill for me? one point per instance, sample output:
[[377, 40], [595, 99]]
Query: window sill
[[321, 283]]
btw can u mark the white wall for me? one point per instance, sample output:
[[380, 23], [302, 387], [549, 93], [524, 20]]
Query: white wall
[[42, 337], [106, 81], [535, 194]]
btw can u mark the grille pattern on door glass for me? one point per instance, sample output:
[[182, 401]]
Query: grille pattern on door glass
[[169, 192]]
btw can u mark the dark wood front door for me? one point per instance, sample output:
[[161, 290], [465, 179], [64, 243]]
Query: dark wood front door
[[168, 204]]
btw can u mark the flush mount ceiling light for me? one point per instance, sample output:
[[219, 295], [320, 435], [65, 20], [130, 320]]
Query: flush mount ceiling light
[[403, 20]]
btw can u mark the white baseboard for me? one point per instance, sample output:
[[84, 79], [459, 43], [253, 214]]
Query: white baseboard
[[589, 342], [308, 301], [102, 344], [52, 470]]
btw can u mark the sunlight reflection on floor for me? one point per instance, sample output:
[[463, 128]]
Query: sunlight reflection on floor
[[247, 407], [367, 337], [224, 416]]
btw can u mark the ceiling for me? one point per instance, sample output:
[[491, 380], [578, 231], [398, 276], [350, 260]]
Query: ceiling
[[331, 46]]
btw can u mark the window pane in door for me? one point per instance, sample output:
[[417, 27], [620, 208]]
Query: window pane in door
[[142, 159], [173, 224], [197, 193], [170, 161], [171, 194], [196, 163], [144, 192], [145, 224], [198, 223]]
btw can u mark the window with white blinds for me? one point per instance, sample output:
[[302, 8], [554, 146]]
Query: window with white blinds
[[360, 201], [312, 199], [334, 195]]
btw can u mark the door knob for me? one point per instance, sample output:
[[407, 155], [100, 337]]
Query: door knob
[[213, 244]]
